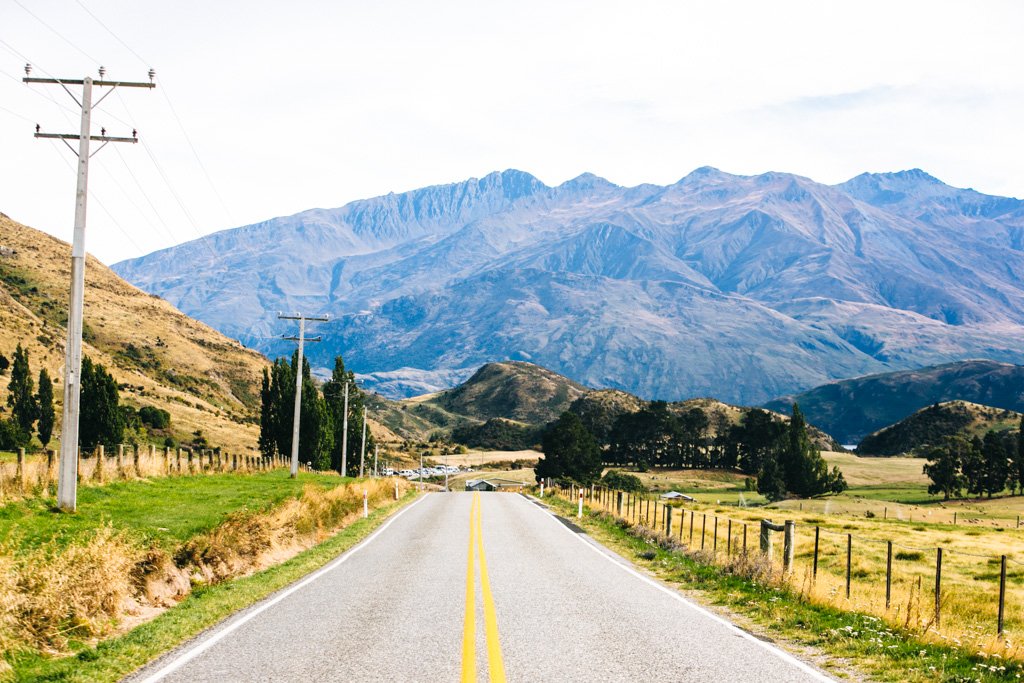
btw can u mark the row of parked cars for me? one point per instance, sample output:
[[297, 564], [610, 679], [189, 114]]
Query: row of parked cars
[[427, 472]]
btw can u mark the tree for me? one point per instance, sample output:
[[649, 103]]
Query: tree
[[45, 411], [944, 469], [760, 436], [100, 420], [770, 483], [972, 464], [804, 471], [4, 363], [267, 442], [1017, 473], [570, 451], [645, 437], [20, 397], [997, 465]]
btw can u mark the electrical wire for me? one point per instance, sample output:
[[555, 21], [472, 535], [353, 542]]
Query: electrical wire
[[56, 32]]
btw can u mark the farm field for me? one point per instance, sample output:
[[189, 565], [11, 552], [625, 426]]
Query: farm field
[[887, 502]]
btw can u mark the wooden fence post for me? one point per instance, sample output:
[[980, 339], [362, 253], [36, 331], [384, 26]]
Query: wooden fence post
[[19, 473], [849, 555], [618, 503], [888, 574], [668, 521], [789, 546], [817, 534], [728, 544], [51, 461], [938, 587], [1002, 592], [120, 461], [766, 538], [703, 530], [692, 513], [137, 461], [714, 545], [100, 457]]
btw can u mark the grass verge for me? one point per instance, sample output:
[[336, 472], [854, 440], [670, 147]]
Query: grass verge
[[845, 639], [115, 658]]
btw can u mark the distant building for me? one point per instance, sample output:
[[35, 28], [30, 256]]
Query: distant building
[[675, 495], [494, 484]]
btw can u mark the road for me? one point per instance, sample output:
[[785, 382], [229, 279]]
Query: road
[[544, 603]]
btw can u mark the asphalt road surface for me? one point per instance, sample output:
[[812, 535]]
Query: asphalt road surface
[[477, 586]]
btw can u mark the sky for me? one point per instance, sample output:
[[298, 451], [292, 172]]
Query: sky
[[265, 109]]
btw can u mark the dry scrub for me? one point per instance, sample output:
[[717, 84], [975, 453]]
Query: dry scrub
[[98, 584]]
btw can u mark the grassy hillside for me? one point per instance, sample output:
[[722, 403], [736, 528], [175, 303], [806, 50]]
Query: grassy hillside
[[852, 409], [929, 426], [157, 354], [512, 390]]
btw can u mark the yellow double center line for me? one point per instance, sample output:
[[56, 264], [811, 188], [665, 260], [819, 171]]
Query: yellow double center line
[[495, 665]]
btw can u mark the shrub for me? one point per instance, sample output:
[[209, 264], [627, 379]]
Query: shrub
[[623, 482]]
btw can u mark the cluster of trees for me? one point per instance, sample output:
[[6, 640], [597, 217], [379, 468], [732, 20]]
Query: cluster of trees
[[978, 466], [103, 419], [31, 410], [321, 433], [780, 454]]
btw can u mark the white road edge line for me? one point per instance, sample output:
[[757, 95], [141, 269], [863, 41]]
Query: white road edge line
[[781, 654], [188, 656]]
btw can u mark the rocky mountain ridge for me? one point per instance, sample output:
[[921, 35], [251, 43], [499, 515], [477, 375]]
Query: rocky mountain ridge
[[738, 287]]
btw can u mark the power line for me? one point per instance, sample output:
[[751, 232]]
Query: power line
[[56, 32], [170, 105]]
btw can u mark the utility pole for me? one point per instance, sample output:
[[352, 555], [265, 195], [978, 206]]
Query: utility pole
[[362, 449], [344, 436], [67, 481], [301, 339]]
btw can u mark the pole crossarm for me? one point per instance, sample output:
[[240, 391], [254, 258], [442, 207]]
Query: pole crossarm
[[304, 339], [80, 81], [95, 138], [308, 318]]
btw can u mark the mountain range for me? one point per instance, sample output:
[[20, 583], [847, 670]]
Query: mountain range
[[739, 287]]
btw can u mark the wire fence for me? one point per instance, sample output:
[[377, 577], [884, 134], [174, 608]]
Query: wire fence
[[30, 474], [967, 598]]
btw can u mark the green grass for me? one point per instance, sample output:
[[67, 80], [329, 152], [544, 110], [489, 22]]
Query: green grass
[[166, 511], [115, 658], [847, 638]]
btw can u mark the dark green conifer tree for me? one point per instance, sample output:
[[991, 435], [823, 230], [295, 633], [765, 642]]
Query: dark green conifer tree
[[44, 403]]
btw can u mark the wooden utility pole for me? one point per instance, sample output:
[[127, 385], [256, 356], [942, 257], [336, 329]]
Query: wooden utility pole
[[301, 339], [67, 479]]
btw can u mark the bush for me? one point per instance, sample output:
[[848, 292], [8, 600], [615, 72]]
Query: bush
[[623, 482], [154, 418]]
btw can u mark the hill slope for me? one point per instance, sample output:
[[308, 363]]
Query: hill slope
[[930, 426], [852, 409], [159, 355], [738, 287]]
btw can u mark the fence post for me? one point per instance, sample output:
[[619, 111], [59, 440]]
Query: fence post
[[714, 545], [789, 545], [682, 523], [766, 538], [938, 587], [51, 460], [849, 555], [618, 503], [703, 529], [579, 512], [668, 521], [888, 574], [692, 513], [100, 456], [120, 460], [1002, 592], [136, 457], [744, 538], [814, 571], [19, 473], [728, 543]]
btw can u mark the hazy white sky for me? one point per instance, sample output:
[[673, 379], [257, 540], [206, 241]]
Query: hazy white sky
[[294, 105]]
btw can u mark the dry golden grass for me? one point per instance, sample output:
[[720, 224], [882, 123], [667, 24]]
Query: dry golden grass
[[86, 588], [217, 378], [970, 569]]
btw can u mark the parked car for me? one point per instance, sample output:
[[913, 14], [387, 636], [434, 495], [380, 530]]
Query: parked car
[[387, 472]]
